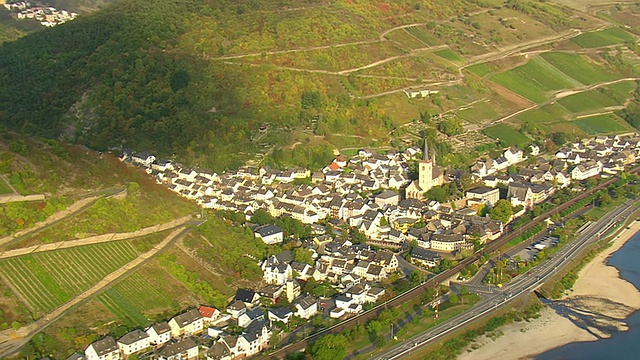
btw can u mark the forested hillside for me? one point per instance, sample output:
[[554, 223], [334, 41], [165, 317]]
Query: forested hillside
[[138, 74], [216, 82]]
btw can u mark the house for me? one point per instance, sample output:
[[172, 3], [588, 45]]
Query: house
[[586, 170], [387, 260], [249, 297], [188, 323], [282, 314], [105, 349], [483, 195], [184, 349], [250, 316], [276, 274], [218, 351], [447, 243], [133, 341], [270, 234], [306, 307], [425, 257], [159, 333], [236, 309], [143, 158], [520, 194], [375, 273], [209, 314], [513, 155]]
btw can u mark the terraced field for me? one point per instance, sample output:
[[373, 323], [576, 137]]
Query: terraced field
[[132, 299], [507, 135], [606, 37], [49, 279], [602, 124]]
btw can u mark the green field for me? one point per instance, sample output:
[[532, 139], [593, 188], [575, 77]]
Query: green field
[[507, 135], [578, 67], [587, 101], [606, 37], [545, 114], [450, 55], [49, 279], [479, 113], [535, 79], [602, 124], [4, 187], [482, 69], [132, 298], [419, 33]]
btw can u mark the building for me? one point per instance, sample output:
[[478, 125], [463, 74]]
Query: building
[[270, 234], [306, 307], [429, 175], [184, 349], [425, 257], [586, 170], [483, 195], [188, 323], [159, 333], [133, 341], [105, 349]]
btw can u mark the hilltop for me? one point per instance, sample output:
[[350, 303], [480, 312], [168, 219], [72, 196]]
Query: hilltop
[[218, 82]]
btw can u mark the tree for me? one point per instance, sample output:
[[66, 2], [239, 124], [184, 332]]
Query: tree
[[454, 299], [261, 217], [438, 194], [303, 255], [501, 211], [450, 126]]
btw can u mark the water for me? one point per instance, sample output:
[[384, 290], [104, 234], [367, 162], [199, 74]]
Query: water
[[621, 345]]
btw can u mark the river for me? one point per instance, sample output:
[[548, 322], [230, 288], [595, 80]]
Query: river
[[621, 345]]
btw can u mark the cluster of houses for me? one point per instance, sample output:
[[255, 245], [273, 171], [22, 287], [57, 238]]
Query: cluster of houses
[[362, 192], [47, 15], [195, 334]]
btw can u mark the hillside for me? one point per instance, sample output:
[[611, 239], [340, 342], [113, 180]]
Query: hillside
[[198, 79]]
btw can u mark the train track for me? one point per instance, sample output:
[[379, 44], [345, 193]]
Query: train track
[[436, 280]]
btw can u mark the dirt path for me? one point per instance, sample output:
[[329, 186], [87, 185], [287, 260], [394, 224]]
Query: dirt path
[[20, 337], [96, 239]]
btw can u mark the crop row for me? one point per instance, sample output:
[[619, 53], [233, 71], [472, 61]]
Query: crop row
[[122, 308], [49, 279]]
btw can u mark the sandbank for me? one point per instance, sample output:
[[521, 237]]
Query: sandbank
[[597, 287]]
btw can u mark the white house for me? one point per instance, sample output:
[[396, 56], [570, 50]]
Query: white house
[[270, 234], [586, 170], [209, 314], [143, 158], [188, 323], [280, 314], [513, 155], [105, 349], [306, 307], [133, 341], [159, 333]]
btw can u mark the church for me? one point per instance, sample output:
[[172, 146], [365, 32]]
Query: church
[[429, 175]]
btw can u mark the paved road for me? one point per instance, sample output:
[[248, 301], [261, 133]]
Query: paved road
[[521, 285]]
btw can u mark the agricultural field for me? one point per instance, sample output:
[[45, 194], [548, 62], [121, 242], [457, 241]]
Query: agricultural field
[[535, 80], [423, 35], [507, 135], [136, 302], [404, 39], [4, 187], [603, 124], [450, 55], [546, 114], [601, 38], [587, 101], [423, 66], [47, 280], [580, 68], [479, 112]]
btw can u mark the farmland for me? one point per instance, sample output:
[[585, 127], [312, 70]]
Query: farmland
[[578, 67], [49, 279], [4, 187], [535, 80], [507, 135], [602, 124], [587, 101], [601, 38]]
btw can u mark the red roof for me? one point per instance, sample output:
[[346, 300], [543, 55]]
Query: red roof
[[333, 166], [207, 311]]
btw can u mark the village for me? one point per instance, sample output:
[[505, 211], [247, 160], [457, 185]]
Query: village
[[372, 194], [46, 15]]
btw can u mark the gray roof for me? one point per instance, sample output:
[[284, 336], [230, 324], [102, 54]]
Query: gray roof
[[105, 346], [177, 347], [268, 230], [187, 318], [161, 328], [133, 337]]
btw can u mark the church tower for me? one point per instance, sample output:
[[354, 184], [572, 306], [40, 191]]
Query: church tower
[[425, 169]]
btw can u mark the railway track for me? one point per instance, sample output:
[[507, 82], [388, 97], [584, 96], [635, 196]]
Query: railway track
[[436, 280]]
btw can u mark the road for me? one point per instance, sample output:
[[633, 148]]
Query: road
[[521, 285]]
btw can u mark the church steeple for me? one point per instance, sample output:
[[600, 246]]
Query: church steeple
[[425, 151]]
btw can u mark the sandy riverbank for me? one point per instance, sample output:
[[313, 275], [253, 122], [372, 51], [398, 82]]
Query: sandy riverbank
[[600, 296]]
